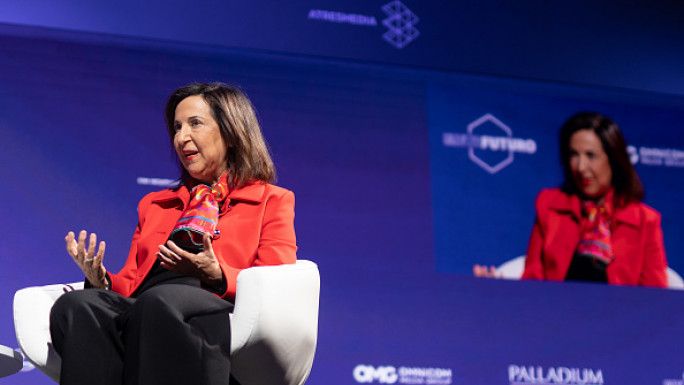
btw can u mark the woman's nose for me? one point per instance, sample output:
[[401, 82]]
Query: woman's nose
[[582, 163], [183, 133]]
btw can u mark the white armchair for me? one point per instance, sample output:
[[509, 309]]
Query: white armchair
[[274, 324]]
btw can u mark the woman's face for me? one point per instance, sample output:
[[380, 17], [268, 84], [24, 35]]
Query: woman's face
[[589, 164], [198, 141]]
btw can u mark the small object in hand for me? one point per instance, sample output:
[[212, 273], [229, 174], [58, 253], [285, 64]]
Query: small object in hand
[[188, 239]]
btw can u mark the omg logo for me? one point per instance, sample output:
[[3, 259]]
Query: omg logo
[[366, 374]]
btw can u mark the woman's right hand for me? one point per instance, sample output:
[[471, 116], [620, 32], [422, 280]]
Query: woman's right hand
[[486, 272], [89, 262]]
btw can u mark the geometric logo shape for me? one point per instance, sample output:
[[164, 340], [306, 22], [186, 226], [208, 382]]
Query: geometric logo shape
[[490, 143], [401, 23], [502, 155], [633, 154]]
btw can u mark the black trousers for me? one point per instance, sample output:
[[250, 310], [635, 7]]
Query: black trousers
[[170, 334]]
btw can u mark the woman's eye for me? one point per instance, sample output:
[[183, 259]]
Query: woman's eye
[[195, 123], [176, 127]]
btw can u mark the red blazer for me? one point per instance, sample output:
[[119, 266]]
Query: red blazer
[[256, 225], [636, 236]]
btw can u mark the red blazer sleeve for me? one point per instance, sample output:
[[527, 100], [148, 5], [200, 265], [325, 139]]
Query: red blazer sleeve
[[653, 272], [276, 244], [534, 269]]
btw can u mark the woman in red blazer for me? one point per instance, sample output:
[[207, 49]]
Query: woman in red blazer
[[595, 227], [164, 318]]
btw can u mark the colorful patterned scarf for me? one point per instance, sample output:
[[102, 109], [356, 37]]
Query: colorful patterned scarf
[[595, 238], [201, 215]]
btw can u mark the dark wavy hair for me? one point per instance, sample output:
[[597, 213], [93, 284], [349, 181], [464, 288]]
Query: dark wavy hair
[[247, 158], [625, 181]]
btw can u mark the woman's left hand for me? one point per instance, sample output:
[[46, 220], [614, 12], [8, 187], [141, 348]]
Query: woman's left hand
[[202, 265], [486, 272]]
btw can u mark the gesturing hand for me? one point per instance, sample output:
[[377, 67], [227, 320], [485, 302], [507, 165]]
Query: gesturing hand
[[486, 272], [202, 265], [89, 262]]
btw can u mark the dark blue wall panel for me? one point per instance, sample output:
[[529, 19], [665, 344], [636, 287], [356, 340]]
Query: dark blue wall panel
[[628, 44]]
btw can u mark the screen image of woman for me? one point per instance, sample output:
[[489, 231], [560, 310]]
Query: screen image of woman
[[595, 226], [164, 318]]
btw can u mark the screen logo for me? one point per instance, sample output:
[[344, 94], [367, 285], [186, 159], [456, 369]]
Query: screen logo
[[399, 20], [158, 182], [520, 375], [674, 381], [490, 143], [401, 23], [366, 374], [652, 156]]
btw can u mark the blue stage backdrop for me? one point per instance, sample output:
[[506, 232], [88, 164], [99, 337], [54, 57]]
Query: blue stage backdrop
[[630, 44], [400, 189]]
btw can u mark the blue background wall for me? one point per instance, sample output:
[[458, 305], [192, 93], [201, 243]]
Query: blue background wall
[[393, 216]]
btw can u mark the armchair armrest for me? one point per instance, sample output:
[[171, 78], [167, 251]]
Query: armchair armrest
[[275, 317], [32, 325]]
